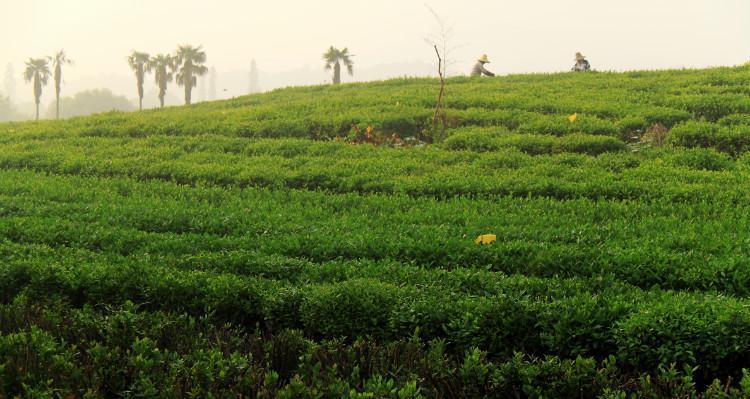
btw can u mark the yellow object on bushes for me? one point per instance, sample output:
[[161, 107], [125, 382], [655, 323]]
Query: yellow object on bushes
[[573, 118], [486, 239]]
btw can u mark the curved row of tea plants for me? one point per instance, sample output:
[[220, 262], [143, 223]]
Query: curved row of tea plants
[[50, 350], [704, 247], [613, 319], [644, 329], [679, 175], [613, 104]]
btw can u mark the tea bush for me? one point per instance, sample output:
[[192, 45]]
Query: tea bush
[[702, 158]]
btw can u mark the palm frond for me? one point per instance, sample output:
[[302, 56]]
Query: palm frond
[[60, 58], [37, 68], [193, 55], [180, 79], [200, 70], [137, 60], [334, 55], [330, 57]]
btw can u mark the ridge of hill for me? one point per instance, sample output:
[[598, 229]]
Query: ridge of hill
[[612, 104]]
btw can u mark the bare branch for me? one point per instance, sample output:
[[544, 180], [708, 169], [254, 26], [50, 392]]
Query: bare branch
[[442, 38]]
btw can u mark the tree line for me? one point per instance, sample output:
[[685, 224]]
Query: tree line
[[184, 67], [38, 72]]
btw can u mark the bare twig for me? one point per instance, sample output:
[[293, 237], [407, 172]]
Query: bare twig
[[440, 41], [440, 106], [443, 38]]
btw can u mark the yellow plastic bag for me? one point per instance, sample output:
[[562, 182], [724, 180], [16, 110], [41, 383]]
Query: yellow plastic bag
[[485, 239]]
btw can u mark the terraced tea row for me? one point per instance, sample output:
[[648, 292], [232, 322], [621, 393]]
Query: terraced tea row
[[626, 240], [143, 353], [607, 103], [679, 175]]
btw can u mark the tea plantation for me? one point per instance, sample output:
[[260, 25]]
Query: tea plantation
[[318, 242]]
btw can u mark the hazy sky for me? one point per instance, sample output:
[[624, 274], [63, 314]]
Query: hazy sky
[[288, 37]]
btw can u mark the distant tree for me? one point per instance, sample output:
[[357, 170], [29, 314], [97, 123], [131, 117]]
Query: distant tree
[[58, 60], [10, 81], [37, 71], [254, 84], [190, 62], [137, 62], [163, 67], [334, 58], [212, 84], [8, 111], [91, 102]]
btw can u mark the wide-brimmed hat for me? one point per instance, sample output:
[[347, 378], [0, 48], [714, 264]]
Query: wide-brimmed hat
[[484, 59], [580, 56]]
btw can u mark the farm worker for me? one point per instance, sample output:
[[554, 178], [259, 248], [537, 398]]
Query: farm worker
[[581, 64], [479, 68]]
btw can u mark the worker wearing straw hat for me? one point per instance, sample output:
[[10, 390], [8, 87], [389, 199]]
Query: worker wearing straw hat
[[479, 68], [582, 65]]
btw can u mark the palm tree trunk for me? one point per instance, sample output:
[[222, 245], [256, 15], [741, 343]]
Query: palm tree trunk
[[337, 73], [140, 103], [57, 106], [161, 101], [188, 91], [37, 93]]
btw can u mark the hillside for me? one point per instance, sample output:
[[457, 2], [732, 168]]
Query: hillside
[[263, 247]]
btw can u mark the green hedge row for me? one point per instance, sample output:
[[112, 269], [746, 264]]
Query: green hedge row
[[609, 104], [336, 167], [493, 140], [52, 350], [734, 140], [220, 229], [644, 329]]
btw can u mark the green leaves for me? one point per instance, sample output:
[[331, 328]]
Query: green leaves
[[218, 251]]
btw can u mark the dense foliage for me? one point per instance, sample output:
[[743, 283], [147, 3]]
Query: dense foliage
[[217, 251]]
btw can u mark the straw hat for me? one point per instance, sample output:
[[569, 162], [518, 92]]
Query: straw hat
[[580, 56], [484, 59]]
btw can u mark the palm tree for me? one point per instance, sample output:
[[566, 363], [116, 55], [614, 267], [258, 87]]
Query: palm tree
[[137, 62], [163, 67], [58, 60], [190, 62], [333, 58], [37, 71]]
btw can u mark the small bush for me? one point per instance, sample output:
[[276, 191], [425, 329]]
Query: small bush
[[688, 330], [701, 159], [488, 140], [617, 162], [349, 309], [716, 106], [731, 140], [591, 145], [666, 116], [547, 125], [475, 139], [735, 120]]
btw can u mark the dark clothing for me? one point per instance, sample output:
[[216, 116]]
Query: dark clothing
[[581, 66], [480, 70]]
